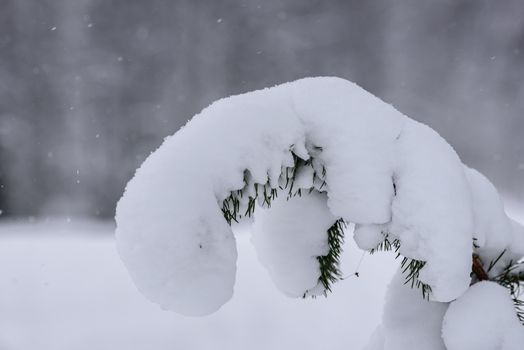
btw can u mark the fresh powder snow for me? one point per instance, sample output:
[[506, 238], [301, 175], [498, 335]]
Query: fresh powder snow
[[482, 319], [365, 164], [288, 237]]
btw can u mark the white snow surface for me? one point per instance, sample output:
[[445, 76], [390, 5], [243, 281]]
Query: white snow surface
[[289, 237], [63, 287], [483, 319], [179, 249]]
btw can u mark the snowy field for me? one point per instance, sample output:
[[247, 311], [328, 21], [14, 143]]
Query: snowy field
[[63, 286]]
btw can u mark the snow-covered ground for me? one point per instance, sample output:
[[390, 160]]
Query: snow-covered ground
[[63, 286]]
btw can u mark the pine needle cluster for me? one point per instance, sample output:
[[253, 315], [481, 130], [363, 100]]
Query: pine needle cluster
[[241, 203], [410, 267], [512, 278], [330, 263]]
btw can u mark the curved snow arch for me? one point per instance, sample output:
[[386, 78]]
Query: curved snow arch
[[384, 172]]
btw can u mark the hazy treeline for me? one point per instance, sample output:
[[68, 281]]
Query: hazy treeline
[[88, 88]]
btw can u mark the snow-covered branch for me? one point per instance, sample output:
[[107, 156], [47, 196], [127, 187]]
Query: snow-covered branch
[[311, 154]]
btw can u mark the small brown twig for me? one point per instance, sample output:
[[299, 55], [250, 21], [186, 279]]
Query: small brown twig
[[478, 268]]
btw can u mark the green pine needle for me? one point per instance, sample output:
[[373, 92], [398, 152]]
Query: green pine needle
[[410, 267], [233, 211], [234, 208], [512, 278], [330, 263]]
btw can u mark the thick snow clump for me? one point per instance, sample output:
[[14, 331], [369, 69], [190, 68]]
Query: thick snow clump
[[495, 232], [483, 319], [383, 171], [288, 237]]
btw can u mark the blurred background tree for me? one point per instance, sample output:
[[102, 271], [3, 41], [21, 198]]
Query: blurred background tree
[[88, 88]]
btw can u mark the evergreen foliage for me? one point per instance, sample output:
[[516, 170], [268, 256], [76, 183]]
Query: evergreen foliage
[[241, 203], [410, 267], [330, 263], [512, 277]]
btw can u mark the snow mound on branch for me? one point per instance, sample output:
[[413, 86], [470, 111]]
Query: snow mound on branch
[[288, 238], [492, 225], [495, 232], [483, 319], [368, 237], [432, 213], [381, 168]]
